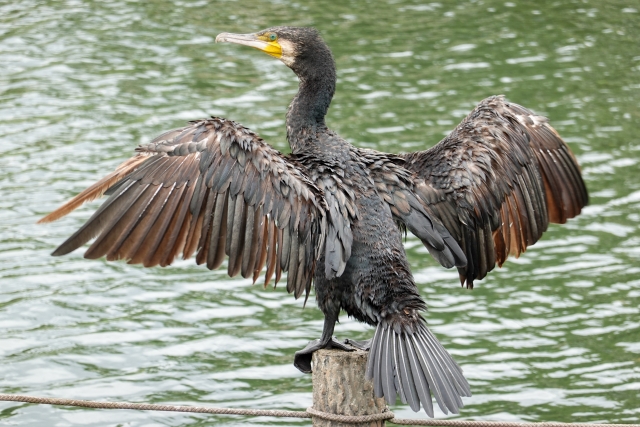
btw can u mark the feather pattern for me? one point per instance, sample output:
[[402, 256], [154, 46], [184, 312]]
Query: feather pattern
[[496, 182], [213, 187], [414, 365], [395, 185]]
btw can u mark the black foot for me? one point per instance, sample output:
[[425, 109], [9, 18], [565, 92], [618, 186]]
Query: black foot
[[360, 345], [302, 359]]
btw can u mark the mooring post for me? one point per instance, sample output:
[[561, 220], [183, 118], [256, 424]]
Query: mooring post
[[340, 387]]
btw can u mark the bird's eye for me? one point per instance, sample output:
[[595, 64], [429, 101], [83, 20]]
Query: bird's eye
[[273, 37]]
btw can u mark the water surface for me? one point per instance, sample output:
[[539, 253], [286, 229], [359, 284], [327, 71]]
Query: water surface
[[553, 336]]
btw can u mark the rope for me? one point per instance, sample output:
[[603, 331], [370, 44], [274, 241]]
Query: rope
[[350, 419], [467, 423], [153, 407], [309, 413]]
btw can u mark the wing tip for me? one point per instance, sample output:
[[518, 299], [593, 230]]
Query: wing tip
[[95, 190], [63, 210], [47, 219], [65, 248], [59, 252]]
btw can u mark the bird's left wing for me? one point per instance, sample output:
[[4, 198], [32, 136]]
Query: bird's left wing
[[212, 186], [497, 181]]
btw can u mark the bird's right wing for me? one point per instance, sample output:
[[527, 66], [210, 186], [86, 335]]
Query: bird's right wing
[[497, 181], [215, 187]]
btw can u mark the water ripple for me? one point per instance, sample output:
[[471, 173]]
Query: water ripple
[[552, 336]]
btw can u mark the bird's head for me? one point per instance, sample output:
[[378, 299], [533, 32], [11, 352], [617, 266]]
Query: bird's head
[[294, 46]]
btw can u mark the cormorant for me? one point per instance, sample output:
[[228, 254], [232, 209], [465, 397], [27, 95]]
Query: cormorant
[[329, 212]]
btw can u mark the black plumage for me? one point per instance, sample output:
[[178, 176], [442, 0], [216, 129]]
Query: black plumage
[[333, 213]]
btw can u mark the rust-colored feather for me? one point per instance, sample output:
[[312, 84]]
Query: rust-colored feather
[[271, 253], [505, 173], [212, 187], [112, 237], [96, 190], [261, 259], [181, 237]]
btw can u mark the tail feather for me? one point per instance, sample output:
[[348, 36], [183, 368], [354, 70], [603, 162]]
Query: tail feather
[[444, 394], [460, 383], [414, 365], [388, 374], [421, 383], [408, 392], [434, 380], [375, 356]]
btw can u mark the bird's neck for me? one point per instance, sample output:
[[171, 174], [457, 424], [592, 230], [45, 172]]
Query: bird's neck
[[308, 109]]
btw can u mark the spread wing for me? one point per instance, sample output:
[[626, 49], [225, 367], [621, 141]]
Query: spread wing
[[497, 181], [213, 187], [395, 185]]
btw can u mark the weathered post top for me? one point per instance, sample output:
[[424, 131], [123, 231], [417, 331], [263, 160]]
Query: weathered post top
[[339, 387]]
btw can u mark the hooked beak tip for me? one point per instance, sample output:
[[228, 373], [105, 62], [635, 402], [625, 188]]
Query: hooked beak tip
[[251, 40]]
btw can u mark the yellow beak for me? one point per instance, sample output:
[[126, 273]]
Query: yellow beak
[[269, 47]]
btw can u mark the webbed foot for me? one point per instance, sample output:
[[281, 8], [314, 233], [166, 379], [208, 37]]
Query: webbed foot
[[302, 359], [364, 345]]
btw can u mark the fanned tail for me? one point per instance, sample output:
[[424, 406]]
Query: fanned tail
[[411, 363]]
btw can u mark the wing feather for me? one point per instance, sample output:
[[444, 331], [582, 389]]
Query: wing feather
[[178, 239], [96, 190], [395, 185], [497, 181], [213, 187], [120, 228], [219, 227], [166, 247]]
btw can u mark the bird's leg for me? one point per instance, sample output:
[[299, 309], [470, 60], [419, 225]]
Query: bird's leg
[[302, 359], [364, 345]]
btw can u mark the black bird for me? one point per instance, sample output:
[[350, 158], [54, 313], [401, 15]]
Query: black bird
[[332, 213]]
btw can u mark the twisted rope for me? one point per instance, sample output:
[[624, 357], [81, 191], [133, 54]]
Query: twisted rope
[[309, 413], [467, 423], [350, 419], [153, 407]]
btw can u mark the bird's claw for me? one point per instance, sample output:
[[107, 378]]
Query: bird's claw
[[364, 345], [302, 358]]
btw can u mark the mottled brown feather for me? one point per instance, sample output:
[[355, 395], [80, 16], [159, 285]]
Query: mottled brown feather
[[118, 231], [165, 254], [212, 187], [261, 259], [505, 173], [96, 190], [179, 239]]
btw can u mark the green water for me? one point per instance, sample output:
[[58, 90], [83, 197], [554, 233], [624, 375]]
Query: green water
[[553, 336]]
